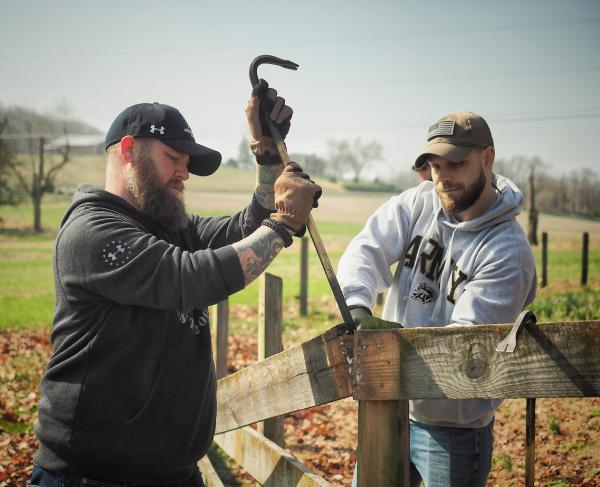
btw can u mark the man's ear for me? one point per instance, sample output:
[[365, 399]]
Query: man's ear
[[127, 144], [490, 154]]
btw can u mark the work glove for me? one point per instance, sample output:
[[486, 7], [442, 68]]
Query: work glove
[[295, 196], [262, 144], [358, 312]]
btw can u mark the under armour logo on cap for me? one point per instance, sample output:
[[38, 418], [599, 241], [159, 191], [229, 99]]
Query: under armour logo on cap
[[150, 120], [445, 127]]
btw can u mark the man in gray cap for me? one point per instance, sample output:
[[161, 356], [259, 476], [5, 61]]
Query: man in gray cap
[[463, 260], [129, 395]]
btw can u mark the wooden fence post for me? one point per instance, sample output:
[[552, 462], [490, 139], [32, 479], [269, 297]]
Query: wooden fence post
[[270, 341], [544, 259], [220, 320], [383, 444], [584, 259], [530, 443], [304, 277], [383, 453]]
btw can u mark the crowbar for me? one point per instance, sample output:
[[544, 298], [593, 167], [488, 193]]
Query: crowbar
[[510, 342], [312, 229]]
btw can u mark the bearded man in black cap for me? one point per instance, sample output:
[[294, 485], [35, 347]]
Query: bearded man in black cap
[[129, 394]]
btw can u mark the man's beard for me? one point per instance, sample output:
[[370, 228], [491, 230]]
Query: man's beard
[[154, 198], [454, 206]]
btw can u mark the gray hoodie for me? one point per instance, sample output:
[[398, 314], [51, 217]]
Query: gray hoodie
[[129, 393], [480, 271]]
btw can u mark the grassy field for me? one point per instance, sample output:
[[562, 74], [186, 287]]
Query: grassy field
[[567, 435], [27, 295]]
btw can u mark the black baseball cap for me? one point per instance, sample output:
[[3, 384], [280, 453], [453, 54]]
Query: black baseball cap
[[165, 123]]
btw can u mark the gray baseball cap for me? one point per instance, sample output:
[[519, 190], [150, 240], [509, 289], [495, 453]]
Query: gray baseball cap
[[454, 136]]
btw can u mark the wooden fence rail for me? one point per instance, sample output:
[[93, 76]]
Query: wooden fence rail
[[390, 366], [551, 360], [383, 366]]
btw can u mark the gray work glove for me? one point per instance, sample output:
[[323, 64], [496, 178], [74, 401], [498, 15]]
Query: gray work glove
[[262, 144], [358, 312], [295, 196]]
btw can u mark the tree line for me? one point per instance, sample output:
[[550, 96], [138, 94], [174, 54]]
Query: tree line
[[575, 192], [29, 170], [346, 159]]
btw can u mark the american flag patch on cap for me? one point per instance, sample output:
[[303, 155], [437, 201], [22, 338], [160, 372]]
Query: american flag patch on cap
[[445, 127]]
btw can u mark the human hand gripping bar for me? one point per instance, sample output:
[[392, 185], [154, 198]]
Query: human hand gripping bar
[[310, 224]]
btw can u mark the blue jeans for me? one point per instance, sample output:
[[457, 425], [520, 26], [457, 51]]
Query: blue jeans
[[48, 478], [449, 457]]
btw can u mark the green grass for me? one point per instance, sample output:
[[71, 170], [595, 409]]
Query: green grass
[[502, 460], [578, 305], [27, 294], [27, 291], [560, 483], [566, 264]]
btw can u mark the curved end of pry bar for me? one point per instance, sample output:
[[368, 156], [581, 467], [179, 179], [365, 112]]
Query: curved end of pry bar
[[268, 59]]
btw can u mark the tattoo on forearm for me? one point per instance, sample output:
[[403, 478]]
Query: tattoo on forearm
[[257, 251], [265, 178], [265, 196]]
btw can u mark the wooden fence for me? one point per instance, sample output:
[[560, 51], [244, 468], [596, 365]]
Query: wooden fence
[[383, 366]]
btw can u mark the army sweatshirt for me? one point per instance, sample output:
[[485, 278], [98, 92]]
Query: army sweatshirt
[[129, 393], [480, 271]]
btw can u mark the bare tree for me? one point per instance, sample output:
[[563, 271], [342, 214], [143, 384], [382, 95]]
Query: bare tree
[[353, 155], [311, 163], [245, 158], [8, 192], [533, 214], [39, 178]]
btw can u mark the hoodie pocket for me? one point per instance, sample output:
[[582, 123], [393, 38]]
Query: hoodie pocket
[[171, 428]]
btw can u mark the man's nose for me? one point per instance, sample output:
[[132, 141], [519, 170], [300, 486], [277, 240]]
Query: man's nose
[[183, 170], [443, 175]]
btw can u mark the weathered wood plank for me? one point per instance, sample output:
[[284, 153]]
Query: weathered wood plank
[[383, 434], [313, 373], [270, 304], [382, 454], [220, 329], [269, 464], [209, 474], [551, 360]]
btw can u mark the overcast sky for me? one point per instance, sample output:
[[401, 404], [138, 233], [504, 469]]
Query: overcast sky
[[382, 70]]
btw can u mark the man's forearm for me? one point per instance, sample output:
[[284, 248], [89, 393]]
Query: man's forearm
[[257, 251], [265, 179]]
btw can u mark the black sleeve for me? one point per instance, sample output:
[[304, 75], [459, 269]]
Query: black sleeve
[[106, 254], [215, 232]]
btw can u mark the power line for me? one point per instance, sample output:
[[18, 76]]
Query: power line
[[557, 71], [482, 30]]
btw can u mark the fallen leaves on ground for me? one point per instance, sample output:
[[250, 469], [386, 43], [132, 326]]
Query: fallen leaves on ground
[[324, 437]]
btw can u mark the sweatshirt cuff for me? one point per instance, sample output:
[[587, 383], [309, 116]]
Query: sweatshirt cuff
[[230, 268], [258, 210], [360, 298]]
